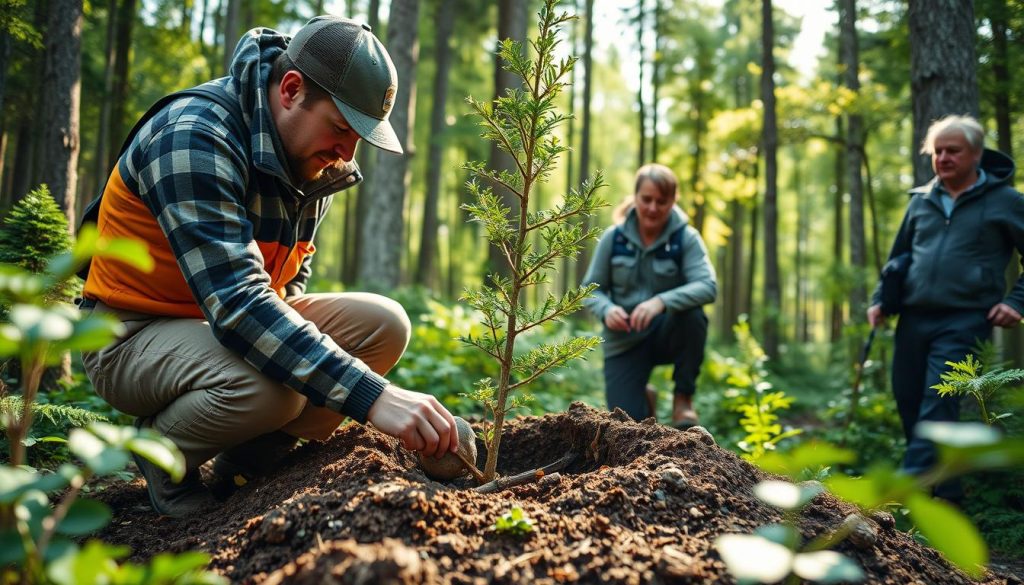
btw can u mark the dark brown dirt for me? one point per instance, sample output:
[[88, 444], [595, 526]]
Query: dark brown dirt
[[641, 503]]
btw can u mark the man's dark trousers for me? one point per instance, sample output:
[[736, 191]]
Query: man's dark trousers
[[925, 340], [676, 338]]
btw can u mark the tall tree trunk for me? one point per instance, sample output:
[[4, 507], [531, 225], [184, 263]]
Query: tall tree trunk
[[565, 276], [59, 137], [698, 161], [29, 114], [445, 22], [583, 260], [100, 169], [733, 288], [364, 196], [119, 96], [380, 265], [850, 59], [943, 75], [512, 17], [838, 237], [1013, 339], [803, 212], [232, 31], [656, 76], [5, 56], [770, 139], [642, 150]]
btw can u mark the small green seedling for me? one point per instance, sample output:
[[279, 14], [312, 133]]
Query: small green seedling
[[514, 523]]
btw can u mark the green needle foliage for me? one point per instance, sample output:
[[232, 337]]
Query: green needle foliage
[[522, 123], [972, 377], [34, 231]]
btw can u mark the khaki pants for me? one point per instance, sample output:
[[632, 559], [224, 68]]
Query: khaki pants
[[206, 398]]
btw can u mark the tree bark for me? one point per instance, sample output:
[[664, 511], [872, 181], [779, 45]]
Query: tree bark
[[850, 65], [118, 127], [838, 236], [232, 31], [445, 21], [100, 161], [642, 150], [512, 17], [943, 74], [770, 139], [61, 90], [656, 75], [583, 260], [380, 266], [364, 196]]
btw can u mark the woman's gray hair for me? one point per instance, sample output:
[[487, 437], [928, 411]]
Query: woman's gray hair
[[971, 130]]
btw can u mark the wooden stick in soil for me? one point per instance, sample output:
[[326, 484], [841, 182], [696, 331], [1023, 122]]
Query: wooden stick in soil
[[525, 477], [477, 474]]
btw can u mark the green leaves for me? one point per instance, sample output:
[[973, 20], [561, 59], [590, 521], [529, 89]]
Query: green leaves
[[949, 531], [104, 448], [513, 522], [810, 456], [758, 559]]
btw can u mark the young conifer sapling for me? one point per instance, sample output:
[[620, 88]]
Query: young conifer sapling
[[530, 241]]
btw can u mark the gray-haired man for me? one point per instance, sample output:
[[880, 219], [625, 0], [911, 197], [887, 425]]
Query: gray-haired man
[[960, 230]]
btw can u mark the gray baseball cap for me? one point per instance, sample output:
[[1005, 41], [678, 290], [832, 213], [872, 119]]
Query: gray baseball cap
[[343, 57]]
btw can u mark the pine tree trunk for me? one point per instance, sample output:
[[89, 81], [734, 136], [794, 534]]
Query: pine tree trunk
[[854, 145], [772, 293], [445, 22], [118, 125], [642, 127], [100, 169], [656, 76], [364, 196], [61, 89], [232, 31], [583, 260], [943, 74], [1013, 339], [838, 237], [380, 264]]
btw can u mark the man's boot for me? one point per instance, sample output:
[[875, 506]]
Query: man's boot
[[244, 462], [683, 414], [167, 498]]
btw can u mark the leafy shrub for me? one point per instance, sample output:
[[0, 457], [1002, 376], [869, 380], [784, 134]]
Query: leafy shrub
[[36, 534], [744, 386]]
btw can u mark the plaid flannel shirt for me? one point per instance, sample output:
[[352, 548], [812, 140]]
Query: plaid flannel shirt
[[226, 203]]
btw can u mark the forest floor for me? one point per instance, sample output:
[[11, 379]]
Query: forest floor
[[640, 503]]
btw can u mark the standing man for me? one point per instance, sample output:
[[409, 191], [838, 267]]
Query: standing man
[[225, 354], [960, 231]]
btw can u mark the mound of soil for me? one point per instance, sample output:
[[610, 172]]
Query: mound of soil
[[640, 503]]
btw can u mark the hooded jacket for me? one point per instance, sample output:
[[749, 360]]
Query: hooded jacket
[[959, 262], [630, 279], [231, 233]]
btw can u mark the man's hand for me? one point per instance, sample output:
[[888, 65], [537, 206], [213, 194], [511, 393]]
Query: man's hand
[[616, 319], [417, 420], [645, 312], [875, 316], [1003, 315]]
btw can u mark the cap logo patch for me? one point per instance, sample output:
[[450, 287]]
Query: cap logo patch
[[389, 100]]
